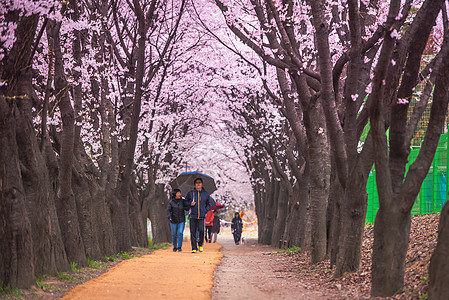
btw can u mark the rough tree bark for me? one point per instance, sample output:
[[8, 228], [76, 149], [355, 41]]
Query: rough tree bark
[[126, 174], [302, 236], [270, 211], [30, 241], [277, 238], [398, 192], [439, 264], [319, 182], [66, 205], [160, 226]]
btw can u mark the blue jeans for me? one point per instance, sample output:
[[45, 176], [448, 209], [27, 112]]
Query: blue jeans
[[177, 231]]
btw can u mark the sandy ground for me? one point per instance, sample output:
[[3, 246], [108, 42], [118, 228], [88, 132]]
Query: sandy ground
[[163, 275]]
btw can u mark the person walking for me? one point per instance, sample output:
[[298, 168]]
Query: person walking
[[176, 215], [237, 227], [215, 226], [200, 202], [209, 221]]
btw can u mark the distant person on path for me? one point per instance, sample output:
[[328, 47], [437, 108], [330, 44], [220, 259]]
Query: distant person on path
[[209, 222], [176, 215], [236, 227], [199, 201], [215, 226]]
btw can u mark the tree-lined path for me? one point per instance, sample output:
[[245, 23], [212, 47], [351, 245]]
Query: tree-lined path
[[291, 106]]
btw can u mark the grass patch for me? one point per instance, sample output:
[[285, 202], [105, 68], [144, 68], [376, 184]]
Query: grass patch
[[7, 292], [92, 263], [120, 256], [111, 258], [159, 246], [74, 265], [64, 276], [50, 288], [40, 282], [125, 255], [290, 250]]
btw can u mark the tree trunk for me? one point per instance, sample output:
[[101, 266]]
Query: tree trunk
[[258, 203], [77, 88], [397, 191], [292, 221], [85, 212], [303, 231], [139, 228], [439, 264], [270, 213], [353, 214], [27, 245], [334, 213], [58, 249], [145, 207], [66, 206], [319, 180], [277, 237], [127, 176], [102, 217], [16, 243], [391, 237], [160, 226], [262, 207]]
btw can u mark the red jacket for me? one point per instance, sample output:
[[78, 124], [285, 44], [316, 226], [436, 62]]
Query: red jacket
[[209, 218]]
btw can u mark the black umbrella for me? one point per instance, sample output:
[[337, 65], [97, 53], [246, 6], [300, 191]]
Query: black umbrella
[[184, 182]]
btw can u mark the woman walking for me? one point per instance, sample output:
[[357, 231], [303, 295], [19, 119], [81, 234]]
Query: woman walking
[[176, 216], [215, 226], [237, 227]]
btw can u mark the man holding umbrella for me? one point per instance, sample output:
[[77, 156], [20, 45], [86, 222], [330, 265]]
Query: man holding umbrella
[[200, 202]]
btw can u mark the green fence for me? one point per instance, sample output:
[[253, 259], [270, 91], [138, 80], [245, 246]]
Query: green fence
[[433, 192]]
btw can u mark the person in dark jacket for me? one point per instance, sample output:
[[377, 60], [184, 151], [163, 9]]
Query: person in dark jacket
[[176, 216], [199, 201], [215, 226], [237, 227]]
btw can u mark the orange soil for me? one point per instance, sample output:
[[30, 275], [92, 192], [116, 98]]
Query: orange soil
[[162, 275]]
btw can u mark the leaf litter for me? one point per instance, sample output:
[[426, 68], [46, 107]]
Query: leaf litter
[[423, 240]]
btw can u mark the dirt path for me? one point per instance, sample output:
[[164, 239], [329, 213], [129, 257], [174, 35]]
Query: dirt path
[[163, 275], [247, 272]]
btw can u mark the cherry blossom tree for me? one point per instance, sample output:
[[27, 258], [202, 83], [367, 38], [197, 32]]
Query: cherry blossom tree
[[401, 57], [316, 63], [73, 208], [103, 103]]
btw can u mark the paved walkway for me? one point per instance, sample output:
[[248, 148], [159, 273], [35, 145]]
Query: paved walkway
[[250, 271]]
